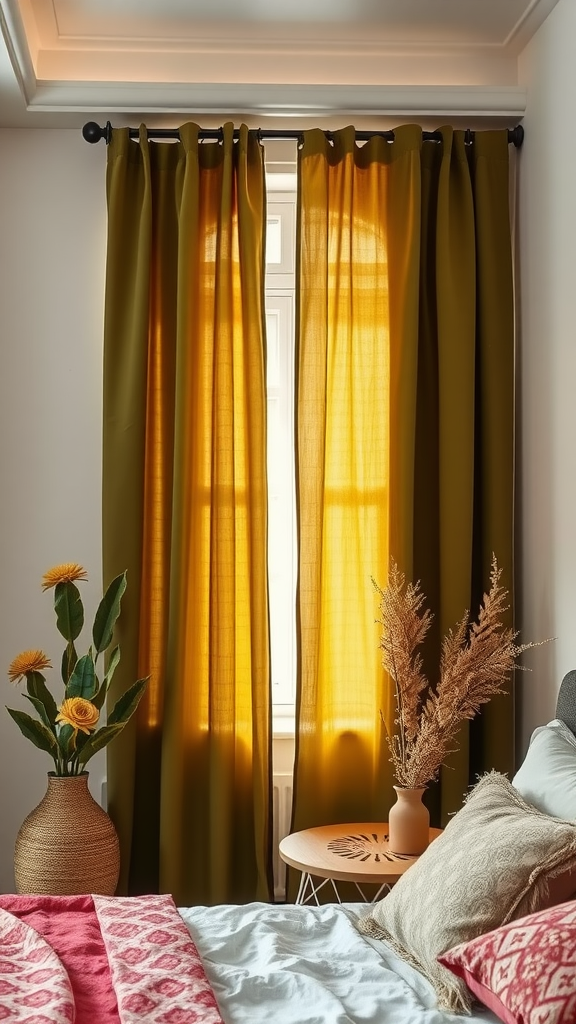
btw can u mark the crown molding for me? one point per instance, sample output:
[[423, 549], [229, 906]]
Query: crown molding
[[280, 99], [525, 28], [12, 28], [284, 89]]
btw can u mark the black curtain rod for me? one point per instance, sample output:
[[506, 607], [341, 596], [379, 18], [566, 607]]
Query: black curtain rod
[[93, 132]]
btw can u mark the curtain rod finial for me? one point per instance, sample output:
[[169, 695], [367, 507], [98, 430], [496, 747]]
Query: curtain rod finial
[[516, 135], [92, 132]]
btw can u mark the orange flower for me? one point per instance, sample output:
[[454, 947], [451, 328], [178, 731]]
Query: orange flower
[[79, 713], [27, 661], [66, 573]]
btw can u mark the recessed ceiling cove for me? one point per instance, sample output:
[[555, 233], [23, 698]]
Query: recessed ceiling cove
[[276, 57]]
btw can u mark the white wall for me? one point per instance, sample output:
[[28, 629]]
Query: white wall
[[547, 363], [52, 252]]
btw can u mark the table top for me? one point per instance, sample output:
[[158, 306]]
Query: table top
[[353, 852]]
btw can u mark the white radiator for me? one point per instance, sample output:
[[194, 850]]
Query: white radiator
[[281, 812]]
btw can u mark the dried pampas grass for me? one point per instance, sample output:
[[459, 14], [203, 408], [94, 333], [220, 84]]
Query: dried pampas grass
[[476, 661]]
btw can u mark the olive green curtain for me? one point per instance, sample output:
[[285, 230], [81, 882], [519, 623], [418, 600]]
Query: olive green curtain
[[185, 511], [405, 341]]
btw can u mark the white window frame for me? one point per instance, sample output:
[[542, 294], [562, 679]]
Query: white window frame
[[282, 562]]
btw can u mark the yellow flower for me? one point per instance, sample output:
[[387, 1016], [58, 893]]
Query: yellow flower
[[27, 661], [66, 573], [79, 713]]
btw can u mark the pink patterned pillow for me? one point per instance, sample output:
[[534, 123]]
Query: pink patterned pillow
[[525, 972]]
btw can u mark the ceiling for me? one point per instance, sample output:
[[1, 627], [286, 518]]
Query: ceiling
[[68, 61]]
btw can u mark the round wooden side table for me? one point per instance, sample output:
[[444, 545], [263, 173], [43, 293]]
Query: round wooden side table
[[355, 852]]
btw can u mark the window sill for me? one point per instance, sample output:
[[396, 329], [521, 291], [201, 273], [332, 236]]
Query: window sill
[[283, 724]]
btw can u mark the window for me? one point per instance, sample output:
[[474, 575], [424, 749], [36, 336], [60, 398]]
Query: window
[[282, 562]]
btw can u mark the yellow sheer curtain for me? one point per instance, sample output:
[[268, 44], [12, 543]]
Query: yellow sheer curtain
[[185, 510], [404, 437], [345, 369]]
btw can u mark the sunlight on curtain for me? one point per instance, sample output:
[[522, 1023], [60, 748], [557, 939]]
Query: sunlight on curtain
[[343, 474], [185, 503], [405, 341]]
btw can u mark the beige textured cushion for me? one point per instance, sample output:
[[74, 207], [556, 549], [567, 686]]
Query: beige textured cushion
[[492, 864]]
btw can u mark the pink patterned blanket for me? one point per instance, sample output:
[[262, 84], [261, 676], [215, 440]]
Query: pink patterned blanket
[[100, 960]]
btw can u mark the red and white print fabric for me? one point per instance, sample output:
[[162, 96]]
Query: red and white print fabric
[[525, 972], [34, 986], [157, 972]]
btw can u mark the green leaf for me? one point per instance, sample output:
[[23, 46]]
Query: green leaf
[[37, 688], [98, 740], [40, 708], [112, 664], [81, 739], [107, 614], [69, 659], [83, 681], [126, 705], [37, 732], [66, 740], [100, 696], [69, 610]]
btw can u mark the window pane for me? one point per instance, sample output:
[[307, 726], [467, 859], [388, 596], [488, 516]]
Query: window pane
[[273, 241], [280, 262], [273, 348]]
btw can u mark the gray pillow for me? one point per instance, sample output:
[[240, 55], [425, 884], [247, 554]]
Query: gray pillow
[[493, 863]]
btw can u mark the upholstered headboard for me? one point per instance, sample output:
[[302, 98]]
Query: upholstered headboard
[[566, 702]]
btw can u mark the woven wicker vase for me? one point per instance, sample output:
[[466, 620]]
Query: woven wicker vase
[[67, 844]]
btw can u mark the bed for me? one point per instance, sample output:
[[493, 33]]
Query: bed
[[483, 924], [253, 964]]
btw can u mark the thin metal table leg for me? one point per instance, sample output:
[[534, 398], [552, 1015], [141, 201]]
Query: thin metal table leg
[[302, 887]]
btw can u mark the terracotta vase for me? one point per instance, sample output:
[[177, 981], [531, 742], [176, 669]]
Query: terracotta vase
[[408, 822], [67, 844]]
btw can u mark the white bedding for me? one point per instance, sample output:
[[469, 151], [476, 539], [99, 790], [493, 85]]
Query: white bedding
[[283, 964]]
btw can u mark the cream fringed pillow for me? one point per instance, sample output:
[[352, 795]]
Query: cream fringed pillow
[[492, 864]]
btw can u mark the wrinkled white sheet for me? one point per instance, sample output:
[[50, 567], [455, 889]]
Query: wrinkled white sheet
[[276, 964]]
